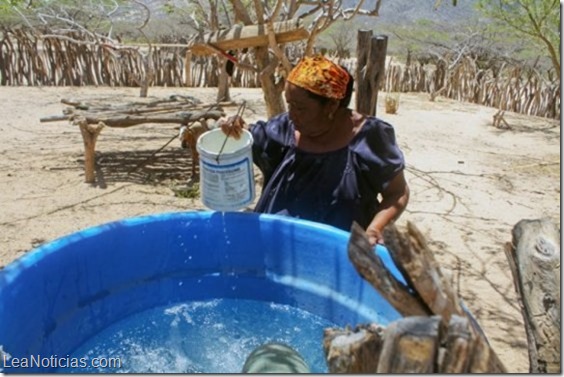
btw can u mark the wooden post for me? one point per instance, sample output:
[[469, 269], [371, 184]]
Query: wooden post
[[534, 258], [188, 68], [362, 85], [224, 80], [371, 64], [90, 134]]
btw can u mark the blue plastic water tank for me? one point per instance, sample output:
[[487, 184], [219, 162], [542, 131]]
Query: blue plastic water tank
[[57, 296]]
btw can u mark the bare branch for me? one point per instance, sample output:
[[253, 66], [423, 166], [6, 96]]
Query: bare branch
[[147, 18], [259, 10], [227, 18], [276, 11], [352, 12], [275, 48], [241, 12]]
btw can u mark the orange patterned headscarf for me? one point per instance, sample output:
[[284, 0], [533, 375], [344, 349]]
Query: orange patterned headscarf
[[320, 76]]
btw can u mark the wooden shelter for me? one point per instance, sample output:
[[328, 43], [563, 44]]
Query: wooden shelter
[[240, 37], [91, 119]]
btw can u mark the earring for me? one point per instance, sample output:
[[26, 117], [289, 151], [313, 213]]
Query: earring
[[330, 116]]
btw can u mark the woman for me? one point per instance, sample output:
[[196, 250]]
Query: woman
[[324, 162]]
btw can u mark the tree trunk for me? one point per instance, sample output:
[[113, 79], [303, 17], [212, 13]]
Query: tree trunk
[[271, 91], [223, 94], [534, 258]]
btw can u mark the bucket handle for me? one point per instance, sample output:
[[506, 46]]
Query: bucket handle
[[239, 114]]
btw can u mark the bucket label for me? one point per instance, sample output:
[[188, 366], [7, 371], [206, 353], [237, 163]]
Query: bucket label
[[227, 186]]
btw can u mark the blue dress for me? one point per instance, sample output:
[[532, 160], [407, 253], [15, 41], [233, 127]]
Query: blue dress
[[334, 188]]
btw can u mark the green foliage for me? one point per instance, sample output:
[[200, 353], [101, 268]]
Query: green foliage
[[340, 38], [188, 192], [535, 20], [425, 36], [439, 2]]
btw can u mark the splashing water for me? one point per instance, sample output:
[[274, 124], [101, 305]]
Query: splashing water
[[213, 336]]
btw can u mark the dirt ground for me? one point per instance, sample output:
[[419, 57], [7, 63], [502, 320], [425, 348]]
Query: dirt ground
[[470, 182]]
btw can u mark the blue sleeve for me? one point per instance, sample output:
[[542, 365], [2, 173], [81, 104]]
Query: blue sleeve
[[271, 141], [380, 157]]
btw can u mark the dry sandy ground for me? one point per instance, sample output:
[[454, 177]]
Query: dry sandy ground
[[470, 184]]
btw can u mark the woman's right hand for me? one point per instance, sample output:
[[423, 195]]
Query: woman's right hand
[[232, 126]]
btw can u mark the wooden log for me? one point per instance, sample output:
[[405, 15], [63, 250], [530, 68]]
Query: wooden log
[[54, 118], [429, 291], [173, 99], [353, 351], [534, 259], [239, 37], [458, 346], [418, 265], [135, 117], [146, 110], [123, 121], [371, 268], [410, 346], [168, 108]]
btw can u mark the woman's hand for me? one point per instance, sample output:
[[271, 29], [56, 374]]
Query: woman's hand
[[232, 126], [374, 236], [394, 200]]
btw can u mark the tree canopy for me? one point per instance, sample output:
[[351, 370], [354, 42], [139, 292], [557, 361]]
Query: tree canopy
[[535, 20]]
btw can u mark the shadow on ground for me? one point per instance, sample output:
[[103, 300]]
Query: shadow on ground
[[142, 167]]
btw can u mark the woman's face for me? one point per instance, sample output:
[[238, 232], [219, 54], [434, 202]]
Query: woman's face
[[308, 114]]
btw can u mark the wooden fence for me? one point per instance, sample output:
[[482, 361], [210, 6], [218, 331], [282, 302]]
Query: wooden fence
[[73, 60]]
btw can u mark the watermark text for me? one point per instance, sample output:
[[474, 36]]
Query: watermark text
[[58, 362]]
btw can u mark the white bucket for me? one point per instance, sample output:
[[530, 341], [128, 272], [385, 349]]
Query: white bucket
[[227, 182]]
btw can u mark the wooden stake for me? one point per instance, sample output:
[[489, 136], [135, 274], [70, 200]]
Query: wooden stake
[[90, 134]]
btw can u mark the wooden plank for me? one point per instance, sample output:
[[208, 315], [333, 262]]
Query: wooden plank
[[125, 120], [239, 37], [411, 253], [371, 268], [534, 259]]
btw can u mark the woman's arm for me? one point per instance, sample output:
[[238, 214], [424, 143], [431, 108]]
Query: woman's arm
[[394, 201]]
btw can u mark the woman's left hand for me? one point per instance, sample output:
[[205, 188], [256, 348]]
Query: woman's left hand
[[374, 236], [394, 200]]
